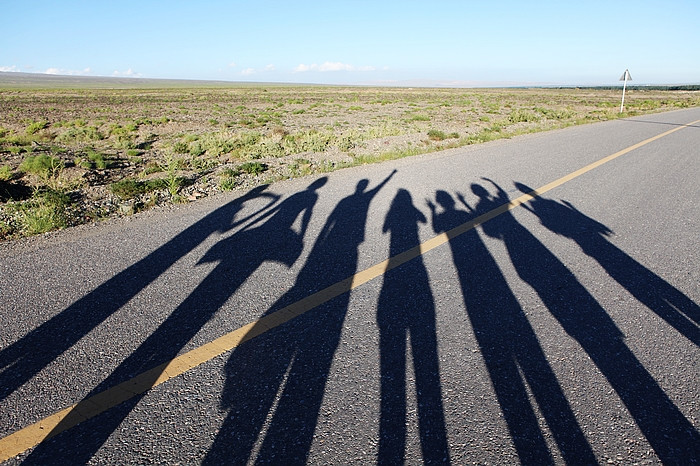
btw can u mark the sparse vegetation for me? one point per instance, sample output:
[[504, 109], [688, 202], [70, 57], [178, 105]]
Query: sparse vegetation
[[35, 126], [130, 188], [42, 165], [437, 135], [253, 168], [112, 152], [6, 173]]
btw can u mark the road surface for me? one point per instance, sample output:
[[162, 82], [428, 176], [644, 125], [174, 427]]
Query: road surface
[[531, 300]]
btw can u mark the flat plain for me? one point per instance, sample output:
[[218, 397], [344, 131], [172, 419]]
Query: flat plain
[[74, 154]]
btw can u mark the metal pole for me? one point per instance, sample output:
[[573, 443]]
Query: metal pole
[[624, 87]]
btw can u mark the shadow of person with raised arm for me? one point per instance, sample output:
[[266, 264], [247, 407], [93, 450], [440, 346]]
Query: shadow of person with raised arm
[[406, 310], [25, 358], [509, 345], [238, 257], [671, 435], [666, 301], [280, 376]]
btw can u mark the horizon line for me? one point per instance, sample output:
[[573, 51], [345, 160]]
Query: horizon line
[[426, 83]]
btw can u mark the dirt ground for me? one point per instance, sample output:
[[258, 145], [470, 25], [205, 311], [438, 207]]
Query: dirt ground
[[86, 154]]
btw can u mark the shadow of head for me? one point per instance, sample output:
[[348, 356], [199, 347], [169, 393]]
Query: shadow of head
[[480, 191], [319, 183], [361, 186], [445, 200], [523, 188]]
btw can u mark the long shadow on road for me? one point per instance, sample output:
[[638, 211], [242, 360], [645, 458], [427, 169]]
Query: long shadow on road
[[666, 301], [509, 346], [406, 309], [671, 435], [25, 358], [238, 257], [275, 382]]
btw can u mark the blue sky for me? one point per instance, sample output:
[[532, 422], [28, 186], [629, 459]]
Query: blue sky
[[461, 43]]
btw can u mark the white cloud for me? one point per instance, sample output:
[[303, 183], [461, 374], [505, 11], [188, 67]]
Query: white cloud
[[270, 67], [331, 66], [248, 71], [9, 69], [64, 72], [232, 64], [335, 66], [127, 74], [303, 68]]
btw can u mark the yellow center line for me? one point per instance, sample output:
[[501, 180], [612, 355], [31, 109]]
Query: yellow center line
[[32, 435]]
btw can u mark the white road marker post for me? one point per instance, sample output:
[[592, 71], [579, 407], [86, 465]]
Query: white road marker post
[[625, 77]]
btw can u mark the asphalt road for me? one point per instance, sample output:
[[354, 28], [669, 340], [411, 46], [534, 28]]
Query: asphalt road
[[565, 329]]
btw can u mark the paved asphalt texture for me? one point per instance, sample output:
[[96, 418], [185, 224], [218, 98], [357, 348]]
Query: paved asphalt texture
[[564, 330]]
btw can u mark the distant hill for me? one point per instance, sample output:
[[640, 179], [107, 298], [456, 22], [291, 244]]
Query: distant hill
[[13, 80], [51, 81]]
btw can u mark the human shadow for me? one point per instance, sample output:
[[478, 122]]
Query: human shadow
[[657, 294], [270, 237], [671, 435], [277, 380], [25, 358], [509, 345], [406, 309]]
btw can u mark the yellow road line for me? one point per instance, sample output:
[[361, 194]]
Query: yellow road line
[[32, 435]]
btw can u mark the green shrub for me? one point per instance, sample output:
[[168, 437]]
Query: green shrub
[[98, 159], [227, 183], [122, 135], [81, 134], [6, 173], [196, 149], [46, 211], [436, 135], [520, 116], [180, 147], [307, 141], [253, 168], [419, 118], [36, 126], [42, 165], [129, 188]]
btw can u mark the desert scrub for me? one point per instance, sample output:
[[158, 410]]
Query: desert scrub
[[94, 160], [80, 134], [348, 141], [227, 180], [122, 137], [42, 165], [253, 168], [6, 173], [300, 167], [45, 211], [436, 135], [36, 126], [555, 114], [130, 188], [418, 117], [215, 144], [308, 141], [268, 146], [520, 116]]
